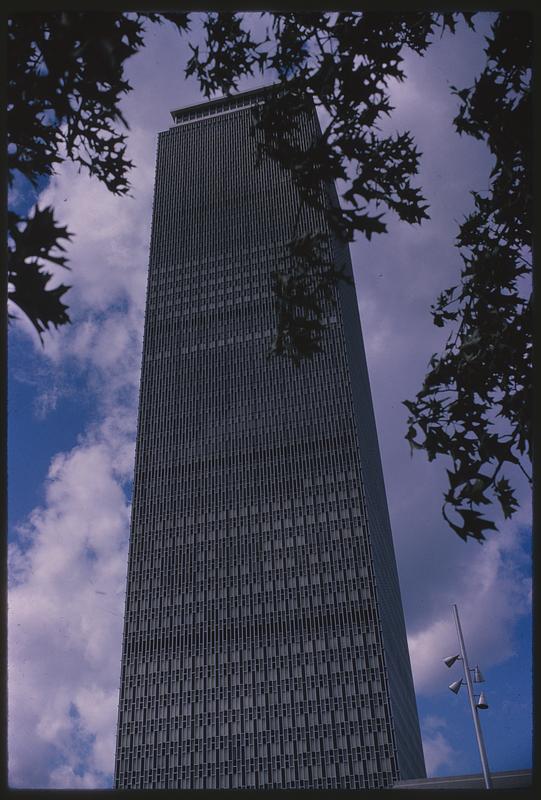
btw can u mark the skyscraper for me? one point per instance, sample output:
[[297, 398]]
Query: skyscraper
[[264, 642]]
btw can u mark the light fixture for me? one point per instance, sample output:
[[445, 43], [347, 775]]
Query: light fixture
[[482, 703], [478, 675], [477, 702]]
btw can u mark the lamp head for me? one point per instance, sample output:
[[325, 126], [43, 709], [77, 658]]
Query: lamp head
[[478, 676], [482, 703], [455, 686], [450, 660]]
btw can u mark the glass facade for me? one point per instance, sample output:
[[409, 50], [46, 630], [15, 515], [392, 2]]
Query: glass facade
[[264, 642]]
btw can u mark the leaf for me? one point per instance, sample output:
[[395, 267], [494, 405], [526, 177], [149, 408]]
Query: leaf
[[473, 524], [43, 306], [474, 382], [34, 240], [506, 497]]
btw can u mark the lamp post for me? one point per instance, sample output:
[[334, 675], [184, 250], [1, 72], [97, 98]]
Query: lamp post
[[474, 706]]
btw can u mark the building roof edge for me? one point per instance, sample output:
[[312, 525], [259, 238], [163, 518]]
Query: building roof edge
[[224, 100]]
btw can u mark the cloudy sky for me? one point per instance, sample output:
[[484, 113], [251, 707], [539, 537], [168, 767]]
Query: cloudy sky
[[72, 425]]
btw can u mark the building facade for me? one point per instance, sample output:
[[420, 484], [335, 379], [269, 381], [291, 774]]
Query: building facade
[[264, 642]]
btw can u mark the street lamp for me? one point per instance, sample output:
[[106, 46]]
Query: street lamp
[[476, 701]]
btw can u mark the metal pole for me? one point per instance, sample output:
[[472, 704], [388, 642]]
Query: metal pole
[[474, 711]]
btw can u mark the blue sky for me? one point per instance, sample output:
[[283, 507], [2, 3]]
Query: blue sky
[[72, 425]]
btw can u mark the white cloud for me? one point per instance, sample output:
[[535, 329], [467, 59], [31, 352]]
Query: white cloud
[[438, 752], [65, 622], [66, 777], [46, 402], [492, 594], [109, 257]]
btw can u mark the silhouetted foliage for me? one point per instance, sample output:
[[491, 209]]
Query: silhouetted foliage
[[33, 243], [66, 80], [342, 62], [475, 405]]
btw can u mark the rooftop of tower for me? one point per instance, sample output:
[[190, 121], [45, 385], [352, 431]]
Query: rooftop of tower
[[221, 105]]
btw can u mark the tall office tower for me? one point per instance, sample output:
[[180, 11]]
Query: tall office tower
[[264, 641]]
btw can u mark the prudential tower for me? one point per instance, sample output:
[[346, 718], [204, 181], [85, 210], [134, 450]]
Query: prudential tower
[[264, 641]]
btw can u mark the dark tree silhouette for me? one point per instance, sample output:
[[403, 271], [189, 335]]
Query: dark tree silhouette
[[475, 405], [343, 62], [65, 83]]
